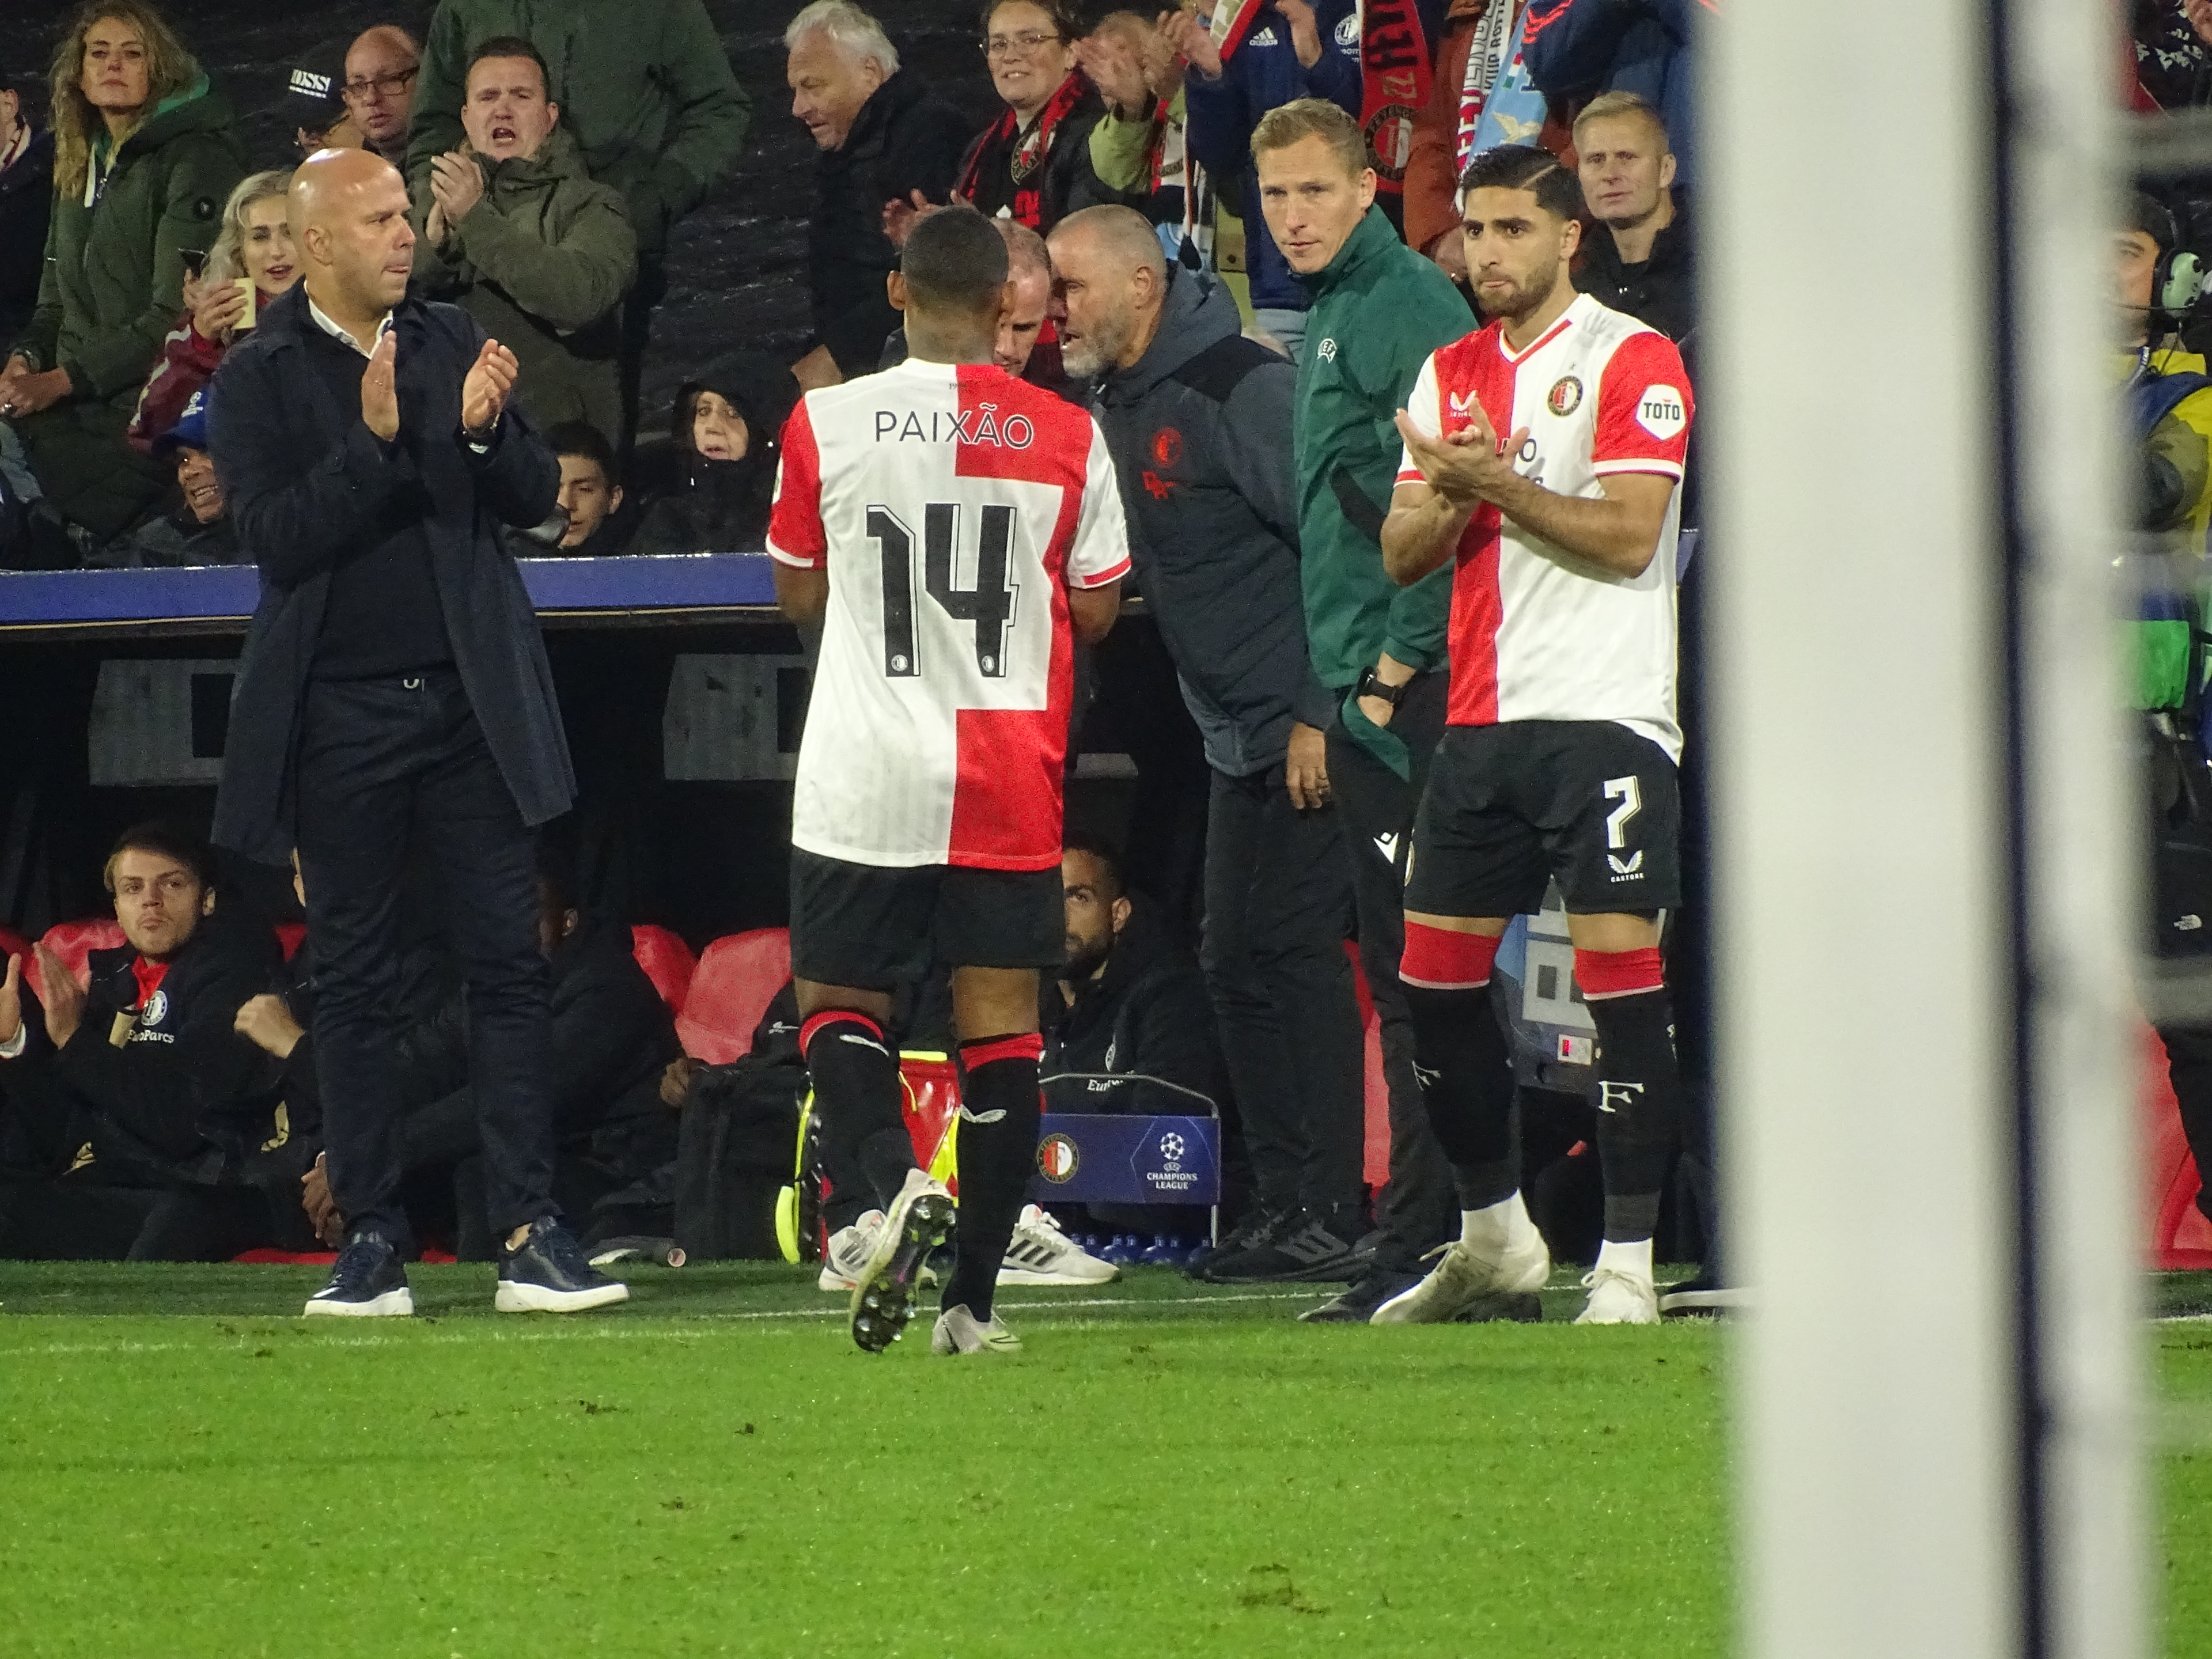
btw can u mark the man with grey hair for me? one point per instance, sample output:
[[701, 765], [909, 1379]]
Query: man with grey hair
[[1198, 419], [884, 137]]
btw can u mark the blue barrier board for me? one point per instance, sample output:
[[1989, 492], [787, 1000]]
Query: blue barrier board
[[1085, 1157]]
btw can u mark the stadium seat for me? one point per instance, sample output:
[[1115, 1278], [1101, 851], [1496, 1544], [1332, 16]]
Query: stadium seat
[[74, 942], [290, 935], [736, 980], [1378, 1158], [667, 961], [2180, 1236]]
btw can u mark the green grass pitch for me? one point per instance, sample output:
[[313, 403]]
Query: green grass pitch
[[188, 1469]]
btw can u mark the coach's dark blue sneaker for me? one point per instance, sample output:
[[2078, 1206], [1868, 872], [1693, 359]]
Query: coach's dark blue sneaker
[[366, 1281], [1259, 1227], [883, 1292], [548, 1273], [1306, 1247]]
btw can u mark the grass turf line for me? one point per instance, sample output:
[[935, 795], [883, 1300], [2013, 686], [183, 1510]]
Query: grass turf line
[[714, 1469]]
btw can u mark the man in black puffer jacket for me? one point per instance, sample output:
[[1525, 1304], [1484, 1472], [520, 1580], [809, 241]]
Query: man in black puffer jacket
[[1199, 421], [885, 137]]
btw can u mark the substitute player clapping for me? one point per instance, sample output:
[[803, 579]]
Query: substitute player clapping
[[1544, 455], [954, 531]]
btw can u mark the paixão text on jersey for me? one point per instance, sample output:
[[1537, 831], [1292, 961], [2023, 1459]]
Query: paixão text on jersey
[[979, 425]]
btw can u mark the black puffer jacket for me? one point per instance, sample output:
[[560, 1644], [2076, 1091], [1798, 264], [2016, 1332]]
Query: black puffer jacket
[[721, 506], [1139, 1038], [904, 139], [1662, 291]]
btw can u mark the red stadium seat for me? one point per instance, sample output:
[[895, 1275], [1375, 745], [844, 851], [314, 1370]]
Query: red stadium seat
[[74, 942], [667, 961], [2180, 1236], [290, 935], [736, 980]]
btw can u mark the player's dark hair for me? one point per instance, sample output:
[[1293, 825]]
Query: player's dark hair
[[163, 841], [512, 45], [582, 438], [1109, 857], [954, 261], [1525, 166]]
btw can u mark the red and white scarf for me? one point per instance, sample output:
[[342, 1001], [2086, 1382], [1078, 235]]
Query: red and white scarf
[[1026, 152], [1485, 57], [1396, 68]]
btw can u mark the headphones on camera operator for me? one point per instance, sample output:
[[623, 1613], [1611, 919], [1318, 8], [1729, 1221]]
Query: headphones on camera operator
[[2177, 282]]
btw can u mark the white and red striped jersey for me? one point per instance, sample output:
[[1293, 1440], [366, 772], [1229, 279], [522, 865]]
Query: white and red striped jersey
[[1536, 633], [953, 506]]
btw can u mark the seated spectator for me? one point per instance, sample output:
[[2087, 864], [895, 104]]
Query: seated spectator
[[380, 68], [315, 107], [590, 492], [199, 530], [1033, 163], [175, 1111], [1128, 1025], [885, 137], [254, 249], [1020, 348], [1291, 50], [1641, 260], [514, 229], [726, 425], [145, 153], [1577, 49], [27, 190]]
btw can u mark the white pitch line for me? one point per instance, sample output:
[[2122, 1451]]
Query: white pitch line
[[681, 1329]]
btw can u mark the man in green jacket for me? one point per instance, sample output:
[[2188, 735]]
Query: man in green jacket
[[514, 230], [646, 92], [1378, 310], [112, 289]]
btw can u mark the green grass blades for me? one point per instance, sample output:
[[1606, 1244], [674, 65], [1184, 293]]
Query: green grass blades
[[1167, 1469]]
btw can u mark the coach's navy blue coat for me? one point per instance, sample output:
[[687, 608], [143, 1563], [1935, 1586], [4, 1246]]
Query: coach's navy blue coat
[[303, 475]]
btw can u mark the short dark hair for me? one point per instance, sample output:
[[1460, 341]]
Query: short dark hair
[[1109, 859], [164, 841], [1526, 166], [954, 259], [2147, 214], [511, 46], [1065, 16], [582, 438]]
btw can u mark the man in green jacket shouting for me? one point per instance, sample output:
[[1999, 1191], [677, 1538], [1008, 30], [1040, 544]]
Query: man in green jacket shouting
[[645, 91], [1378, 310], [531, 248]]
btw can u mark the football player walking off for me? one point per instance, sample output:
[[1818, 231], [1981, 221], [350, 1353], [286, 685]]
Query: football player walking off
[[1544, 456], [955, 531]]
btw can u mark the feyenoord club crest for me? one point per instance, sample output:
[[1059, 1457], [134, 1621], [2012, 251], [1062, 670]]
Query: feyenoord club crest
[[1565, 396], [1057, 1158], [1390, 140]]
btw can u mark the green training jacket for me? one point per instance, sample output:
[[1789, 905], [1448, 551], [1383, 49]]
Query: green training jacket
[[643, 85], [1378, 310]]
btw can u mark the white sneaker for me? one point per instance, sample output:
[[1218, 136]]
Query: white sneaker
[[1040, 1254], [848, 1252], [1619, 1299], [959, 1332], [882, 1291], [1464, 1276]]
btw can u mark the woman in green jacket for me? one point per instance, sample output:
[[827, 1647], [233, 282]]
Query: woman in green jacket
[[144, 156]]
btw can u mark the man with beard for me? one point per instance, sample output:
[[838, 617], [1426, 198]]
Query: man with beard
[[1198, 419], [1559, 753]]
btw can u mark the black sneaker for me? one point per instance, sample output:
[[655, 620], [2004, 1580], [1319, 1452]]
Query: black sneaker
[[1704, 1297], [366, 1281], [1305, 1248], [548, 1274], [1259, 1227], [1361, 1298]]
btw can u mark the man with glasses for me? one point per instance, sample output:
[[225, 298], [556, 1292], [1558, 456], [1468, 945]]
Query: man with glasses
[[381, 67]]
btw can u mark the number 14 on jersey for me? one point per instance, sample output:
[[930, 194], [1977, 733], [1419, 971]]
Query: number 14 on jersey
[[989, 604]]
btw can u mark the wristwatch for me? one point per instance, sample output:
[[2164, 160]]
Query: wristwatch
[[1371, 685]]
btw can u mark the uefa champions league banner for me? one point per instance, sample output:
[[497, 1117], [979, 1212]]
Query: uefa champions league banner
[[1085, 1157]]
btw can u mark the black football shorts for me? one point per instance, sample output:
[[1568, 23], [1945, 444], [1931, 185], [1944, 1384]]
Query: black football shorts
[[875, 926]]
